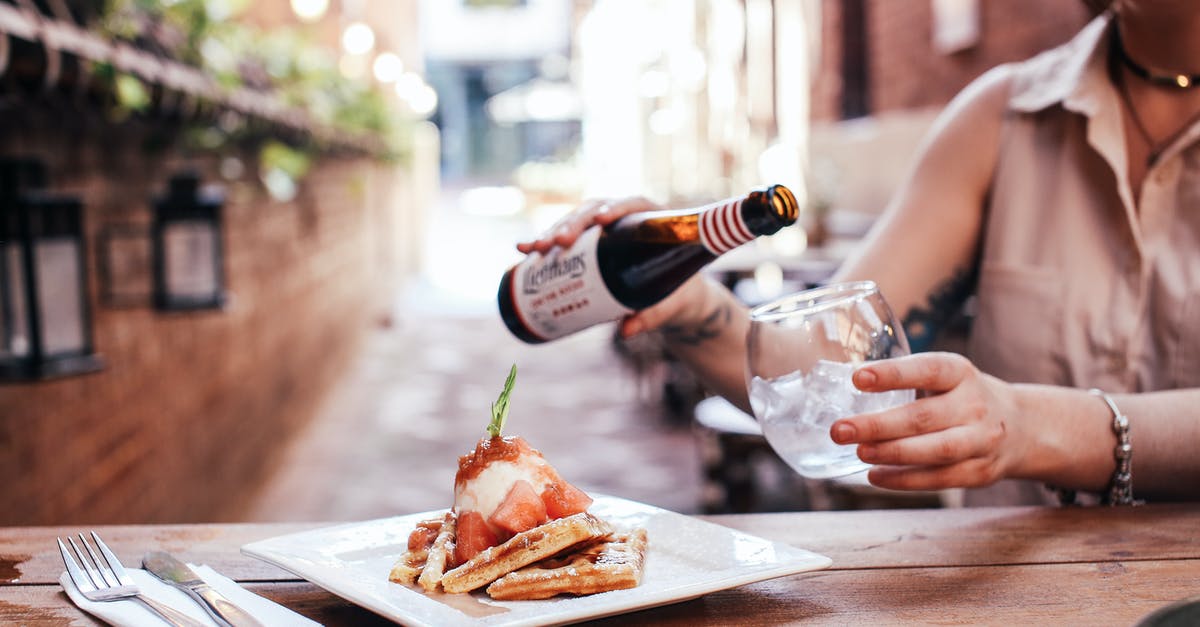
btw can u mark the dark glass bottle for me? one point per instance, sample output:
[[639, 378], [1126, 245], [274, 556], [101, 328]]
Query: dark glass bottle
[[632, 263]]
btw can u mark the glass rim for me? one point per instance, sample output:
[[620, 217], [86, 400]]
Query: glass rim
[[822, 298]]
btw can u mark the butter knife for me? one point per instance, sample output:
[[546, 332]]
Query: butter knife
[[171, 570]]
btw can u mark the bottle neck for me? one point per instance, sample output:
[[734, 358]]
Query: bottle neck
[[722, 227]]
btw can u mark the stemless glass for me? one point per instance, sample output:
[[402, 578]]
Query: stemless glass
[[801, 350]]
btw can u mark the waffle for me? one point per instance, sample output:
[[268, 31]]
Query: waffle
[[606, 565], [409, 566], [524, 549], [439, 554]]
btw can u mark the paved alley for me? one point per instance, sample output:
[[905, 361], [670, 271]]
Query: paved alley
[[388, 439]]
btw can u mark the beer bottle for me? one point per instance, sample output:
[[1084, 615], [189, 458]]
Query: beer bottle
[[632, 263]]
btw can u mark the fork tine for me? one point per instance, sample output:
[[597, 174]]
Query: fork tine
[[81, 580], [110, 579], [118, 568], [98, 582], [95, 587]]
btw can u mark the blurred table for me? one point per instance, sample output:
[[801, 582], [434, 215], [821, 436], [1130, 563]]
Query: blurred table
[[1013, 566], [814, 264]]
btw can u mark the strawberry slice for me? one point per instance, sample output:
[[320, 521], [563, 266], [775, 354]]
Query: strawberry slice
[[521, 510], [423, 536], [472, 536], [563, 499]]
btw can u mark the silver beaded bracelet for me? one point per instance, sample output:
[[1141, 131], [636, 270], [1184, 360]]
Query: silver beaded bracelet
[[1120, 487]]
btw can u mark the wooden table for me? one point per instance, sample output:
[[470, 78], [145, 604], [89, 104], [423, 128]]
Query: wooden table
[[1012, 566]]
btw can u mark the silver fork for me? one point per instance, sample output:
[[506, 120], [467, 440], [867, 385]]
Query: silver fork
[[103, 578]]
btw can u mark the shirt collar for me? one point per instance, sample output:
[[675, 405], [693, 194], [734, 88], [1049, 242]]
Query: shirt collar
[[1072, 74]]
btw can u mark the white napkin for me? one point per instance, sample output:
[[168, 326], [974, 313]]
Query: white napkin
[[130, 613]]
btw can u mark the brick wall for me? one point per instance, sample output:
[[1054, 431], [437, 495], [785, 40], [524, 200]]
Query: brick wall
[[192, 409], [906, 72]]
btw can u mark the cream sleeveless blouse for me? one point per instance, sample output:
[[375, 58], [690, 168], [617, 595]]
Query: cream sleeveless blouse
[[1078, 285]]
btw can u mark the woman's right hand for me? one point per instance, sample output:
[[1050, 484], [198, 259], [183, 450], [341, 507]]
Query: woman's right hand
[[671, 310]]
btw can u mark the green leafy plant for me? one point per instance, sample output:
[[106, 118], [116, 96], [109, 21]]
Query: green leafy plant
[[283, 62], [500, 407]]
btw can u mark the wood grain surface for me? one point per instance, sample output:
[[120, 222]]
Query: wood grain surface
[[1098, 566]]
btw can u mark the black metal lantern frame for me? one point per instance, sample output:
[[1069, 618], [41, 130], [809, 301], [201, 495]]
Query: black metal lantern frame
[[188, 251], [45, 318]]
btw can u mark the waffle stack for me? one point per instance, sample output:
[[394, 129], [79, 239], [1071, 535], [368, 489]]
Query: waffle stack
[[578, 554]]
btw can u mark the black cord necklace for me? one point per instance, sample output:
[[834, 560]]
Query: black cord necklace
[[1154, 148], [1163, 79]]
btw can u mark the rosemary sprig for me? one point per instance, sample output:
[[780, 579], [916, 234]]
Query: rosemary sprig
[[500, 407]]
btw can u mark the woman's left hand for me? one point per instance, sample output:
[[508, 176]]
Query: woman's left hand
[[964, 431]]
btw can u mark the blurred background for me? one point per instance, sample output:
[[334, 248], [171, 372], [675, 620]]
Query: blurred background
[[249, 250]]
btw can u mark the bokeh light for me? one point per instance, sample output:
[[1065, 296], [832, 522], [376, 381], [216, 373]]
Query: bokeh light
[[358, 38], [388, 67], [310, 10]]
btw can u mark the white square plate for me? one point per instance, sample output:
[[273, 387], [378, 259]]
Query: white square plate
[[686, 558]]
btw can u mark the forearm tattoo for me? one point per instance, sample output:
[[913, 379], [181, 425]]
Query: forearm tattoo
[[711, 326], [922, 324]]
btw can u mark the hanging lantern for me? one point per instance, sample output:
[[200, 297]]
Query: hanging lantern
[[45, 321], [188, 266]]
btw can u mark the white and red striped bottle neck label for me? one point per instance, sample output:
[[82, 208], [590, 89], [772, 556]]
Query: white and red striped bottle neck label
[[722, 228]]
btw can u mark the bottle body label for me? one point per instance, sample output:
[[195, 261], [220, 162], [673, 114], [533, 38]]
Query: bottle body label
[[563, 292]]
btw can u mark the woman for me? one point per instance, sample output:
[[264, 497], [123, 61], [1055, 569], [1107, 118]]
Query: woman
[[1065, 193]]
